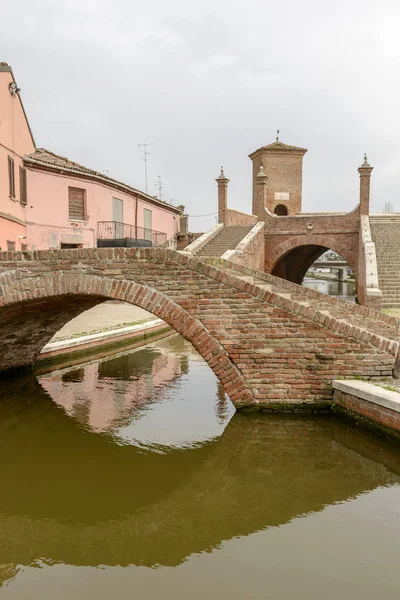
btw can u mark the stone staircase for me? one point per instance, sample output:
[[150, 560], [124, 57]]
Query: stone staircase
[[385, 231], [226, 239], [348, 313]]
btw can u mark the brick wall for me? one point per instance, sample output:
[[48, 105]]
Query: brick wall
[[285, 175], [235, 217], [356, 407], [263, 347]]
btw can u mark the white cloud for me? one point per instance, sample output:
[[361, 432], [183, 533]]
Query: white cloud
[[208, 83]]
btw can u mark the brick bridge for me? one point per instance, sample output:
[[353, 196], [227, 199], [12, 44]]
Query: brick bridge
[[269, 341], [280, 239]]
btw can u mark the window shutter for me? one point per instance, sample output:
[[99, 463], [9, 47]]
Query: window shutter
[[76, 204], [11, 177], [10, 246], [22, 186]]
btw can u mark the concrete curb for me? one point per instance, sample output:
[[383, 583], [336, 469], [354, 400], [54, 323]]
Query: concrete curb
[[95, 338], [369, 393]]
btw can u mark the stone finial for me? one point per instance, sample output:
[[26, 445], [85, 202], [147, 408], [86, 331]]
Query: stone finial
[[365, 164], [222, 176], [261, 172]]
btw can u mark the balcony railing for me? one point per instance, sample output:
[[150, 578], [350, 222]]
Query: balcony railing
[[121, 235]]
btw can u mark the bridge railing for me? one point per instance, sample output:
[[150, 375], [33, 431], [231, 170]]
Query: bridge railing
[[116, 234]]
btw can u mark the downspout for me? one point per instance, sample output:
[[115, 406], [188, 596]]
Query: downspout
[[136, 211]]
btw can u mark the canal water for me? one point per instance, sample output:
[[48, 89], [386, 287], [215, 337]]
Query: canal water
[[132, 477], [343, 289]]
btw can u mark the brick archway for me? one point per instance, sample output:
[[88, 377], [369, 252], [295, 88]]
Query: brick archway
[[292, 259], [54, 293]]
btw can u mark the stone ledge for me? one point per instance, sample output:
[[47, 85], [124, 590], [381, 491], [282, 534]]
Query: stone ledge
[[102, 336], [370, 393]]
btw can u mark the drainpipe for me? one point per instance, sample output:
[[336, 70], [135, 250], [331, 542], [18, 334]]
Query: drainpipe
[[136, 211]]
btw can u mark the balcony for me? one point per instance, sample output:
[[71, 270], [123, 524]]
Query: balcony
[[112, 234]]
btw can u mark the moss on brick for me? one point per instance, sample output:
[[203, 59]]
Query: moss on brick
[[360, 420]]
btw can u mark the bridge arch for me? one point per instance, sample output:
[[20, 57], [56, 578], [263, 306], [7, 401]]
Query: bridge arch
[[30, 316], [292, 259]]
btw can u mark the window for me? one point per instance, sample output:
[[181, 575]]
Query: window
[[70, 246], [10, 246], [11, 177], [22, 186], [76, 204], [24, 247], [281, 210], [147, 223]]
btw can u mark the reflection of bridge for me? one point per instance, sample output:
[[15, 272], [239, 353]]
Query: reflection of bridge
[[340, 265], [268, 341], [178, 503]]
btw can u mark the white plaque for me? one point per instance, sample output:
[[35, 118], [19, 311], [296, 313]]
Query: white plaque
[[281, 195]]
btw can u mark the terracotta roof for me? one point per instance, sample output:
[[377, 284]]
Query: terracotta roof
[[45, 158], [280, 146]]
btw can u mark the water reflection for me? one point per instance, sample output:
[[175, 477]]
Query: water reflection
[[73, 494], [343, 289], [143, 397]]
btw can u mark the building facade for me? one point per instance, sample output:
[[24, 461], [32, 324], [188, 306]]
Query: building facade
[[49, 201]]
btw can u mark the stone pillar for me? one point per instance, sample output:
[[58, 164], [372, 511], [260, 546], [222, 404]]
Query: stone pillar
[[222, 181], [365, 181], [261, 194]]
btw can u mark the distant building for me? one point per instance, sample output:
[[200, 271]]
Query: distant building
[[284, 165], [49, 201]]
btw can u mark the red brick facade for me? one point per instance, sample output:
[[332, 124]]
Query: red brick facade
[[283, 166]]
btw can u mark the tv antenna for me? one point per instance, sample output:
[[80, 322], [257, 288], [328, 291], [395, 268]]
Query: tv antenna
[[144, 151], [160, 186]]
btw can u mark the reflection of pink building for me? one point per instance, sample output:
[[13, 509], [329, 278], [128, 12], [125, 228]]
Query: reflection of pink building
[[48, 201], [102, 407]]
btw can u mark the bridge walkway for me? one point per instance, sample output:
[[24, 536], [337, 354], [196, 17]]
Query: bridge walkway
[[385, 230], [351, 314], [227, 239]]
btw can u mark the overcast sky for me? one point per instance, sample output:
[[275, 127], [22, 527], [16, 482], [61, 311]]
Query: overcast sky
[[208, 82]]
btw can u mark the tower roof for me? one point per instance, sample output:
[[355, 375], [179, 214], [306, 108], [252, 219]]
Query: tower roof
[[278, 146]]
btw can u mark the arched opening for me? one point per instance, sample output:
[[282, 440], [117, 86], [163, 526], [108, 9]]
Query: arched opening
[[317, 267], [281, 210], [28, 325]]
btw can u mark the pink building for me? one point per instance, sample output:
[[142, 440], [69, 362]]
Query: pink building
[[49, 201], [16, 140]]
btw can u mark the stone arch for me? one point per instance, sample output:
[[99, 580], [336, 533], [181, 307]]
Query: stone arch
[[291, 259], [30, 316], [281, 210]]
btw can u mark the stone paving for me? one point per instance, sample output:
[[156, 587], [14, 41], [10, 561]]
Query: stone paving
[[109, 315]]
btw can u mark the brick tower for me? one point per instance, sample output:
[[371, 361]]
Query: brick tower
[[283, 166]]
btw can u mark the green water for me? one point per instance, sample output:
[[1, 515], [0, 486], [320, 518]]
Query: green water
[[132, 478]]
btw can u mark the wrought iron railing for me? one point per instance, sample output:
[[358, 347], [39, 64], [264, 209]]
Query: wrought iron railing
[[113, 233]]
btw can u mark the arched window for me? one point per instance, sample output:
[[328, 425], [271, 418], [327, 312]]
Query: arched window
[[281, 210]]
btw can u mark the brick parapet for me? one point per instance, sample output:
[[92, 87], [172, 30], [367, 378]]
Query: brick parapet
[[235, 217]]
